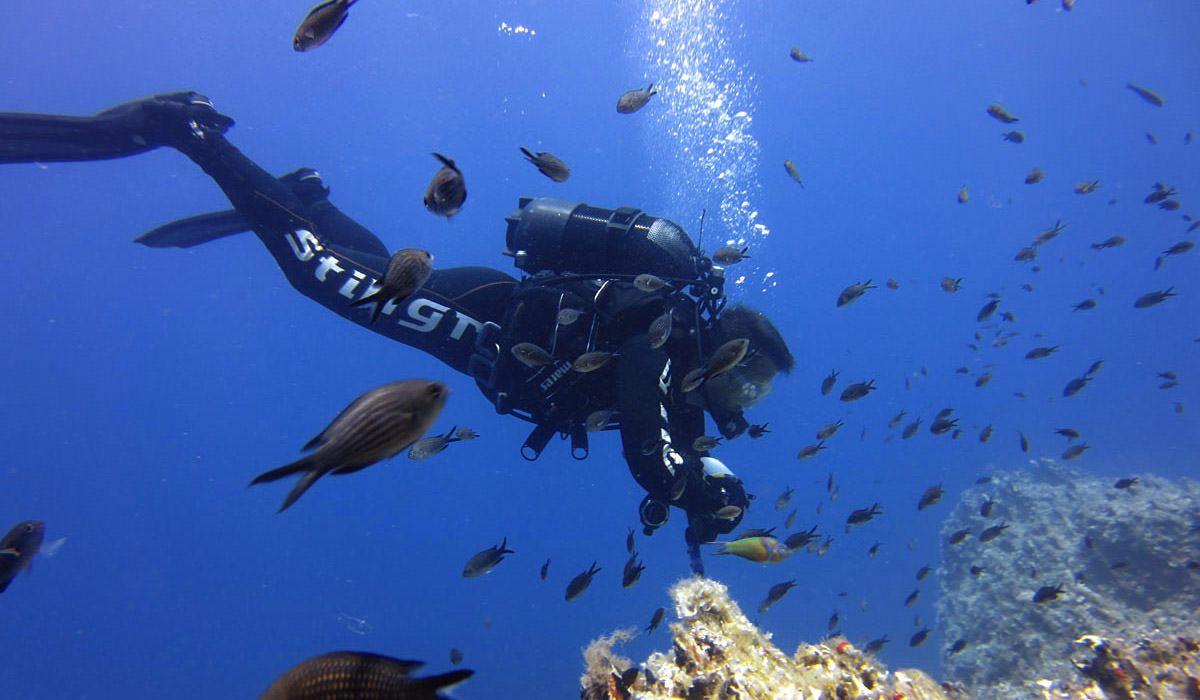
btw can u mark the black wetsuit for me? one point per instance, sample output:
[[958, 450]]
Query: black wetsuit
[[468, 317]]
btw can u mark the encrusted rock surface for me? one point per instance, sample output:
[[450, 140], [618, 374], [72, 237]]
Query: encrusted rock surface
[[1127, 560]]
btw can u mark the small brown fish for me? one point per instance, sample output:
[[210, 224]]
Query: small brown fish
[[1126, 483], [784, 498], [799, 56], [320, 23], [775, 595], [986, 433], [730, 255], [447, 190], [659, 331], [912, 598], [1075, 385], [531, 355], [346, 674], [964, 195], [487, 559], [379, 424], [998, 112], [1146, 95], [580, 583], [1046, 594], [408, 269], [567, 316], [456, 656], [810, 451], [1035, 176], [430, 446], [705, 443], [923, 572], [546, 569], [655, 619], [988, 309], [1075, 450], [1039, 353], [911, 429], [591, 361], [756, 431], [892, 284], [649, 283], [1027, 254], [828, 382], [598, 420], [1050, 233], [1024, 441], [959, 536], [853, 292], [1151, 298], [951, 284], [919, 638], [633, 571], [18, 548], [931, 497], [829, 430], [1014, 136], [548, 164], [992, 532], [1086, 186], [793, 172], [855, 392], [983, 379], [727, 356], [633, 100]]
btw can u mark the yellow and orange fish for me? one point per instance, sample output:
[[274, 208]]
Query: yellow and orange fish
[[760, 549]]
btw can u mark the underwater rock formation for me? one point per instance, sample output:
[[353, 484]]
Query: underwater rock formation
[[718, 653], [1126, 559]]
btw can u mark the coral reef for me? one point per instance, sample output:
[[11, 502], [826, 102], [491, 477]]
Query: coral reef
[[718, 653], [1125, 558]]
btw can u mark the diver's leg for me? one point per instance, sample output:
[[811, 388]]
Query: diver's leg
[[124, 130]]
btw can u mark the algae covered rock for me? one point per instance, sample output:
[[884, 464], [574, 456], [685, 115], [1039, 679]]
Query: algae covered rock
[[1124, 557]]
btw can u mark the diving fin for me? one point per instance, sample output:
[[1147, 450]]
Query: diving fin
[[195, 230]]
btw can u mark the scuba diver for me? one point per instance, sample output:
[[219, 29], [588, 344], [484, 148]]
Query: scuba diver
[[576, 295]]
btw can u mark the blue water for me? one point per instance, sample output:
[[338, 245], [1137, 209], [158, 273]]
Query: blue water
[[145, 388]]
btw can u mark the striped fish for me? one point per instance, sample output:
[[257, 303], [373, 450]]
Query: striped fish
[[354, 675], [379, 424]]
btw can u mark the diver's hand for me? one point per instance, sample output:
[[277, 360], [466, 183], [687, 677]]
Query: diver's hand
[[170, 119]]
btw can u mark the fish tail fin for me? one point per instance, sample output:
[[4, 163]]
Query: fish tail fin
[[276, 474], [310, 477], [449, 163], [373, 296], [429, 687], [530, 156]]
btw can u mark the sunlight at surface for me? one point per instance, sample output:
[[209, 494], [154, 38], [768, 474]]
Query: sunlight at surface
[[698, 128]]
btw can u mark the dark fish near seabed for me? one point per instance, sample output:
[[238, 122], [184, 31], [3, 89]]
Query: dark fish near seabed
[[1126, 483], [775, 594], [985, 508], [834, 619], [486, 560], [992, 532], [17, 549], [859, 390], [580, 583], [633, 100], [548, 164], [730, 255], [1075, 450], [379, 424], [408, 269], [1046, 594], [342, 675], [1152, 298], [447, 190], [1024, 441], [655, 619], [797, 540], [932, 495], [919, 638], [793, 172], [1146, 95], [828, 382], [320, 23], [959, 536], [876, 645], [923, 572], [959, 645], [1000, 113], [853, 292]]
